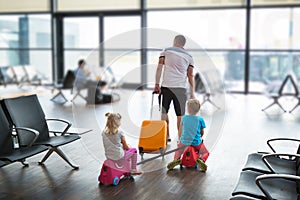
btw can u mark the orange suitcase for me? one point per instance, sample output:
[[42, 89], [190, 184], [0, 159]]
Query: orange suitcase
[[153, 136]]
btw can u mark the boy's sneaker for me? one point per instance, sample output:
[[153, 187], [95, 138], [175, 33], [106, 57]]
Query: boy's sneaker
[[201, 164], [173, 164]]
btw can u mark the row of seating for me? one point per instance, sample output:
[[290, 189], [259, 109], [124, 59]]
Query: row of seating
[[22, 119], [21, 75], [270, 175]]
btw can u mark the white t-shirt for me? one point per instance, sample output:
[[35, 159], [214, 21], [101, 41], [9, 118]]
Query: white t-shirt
[[113, 146], [177, 61]]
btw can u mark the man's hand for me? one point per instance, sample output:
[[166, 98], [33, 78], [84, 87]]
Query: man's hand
[[157, 89], [192, 96]]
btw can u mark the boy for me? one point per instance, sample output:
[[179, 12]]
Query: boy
[[191, 131]]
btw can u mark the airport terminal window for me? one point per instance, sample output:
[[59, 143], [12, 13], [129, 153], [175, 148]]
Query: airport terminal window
[[231, 65], [268, 67], [121, 47], [81, 32], [223, 29], [26, 39], [275, 28], [81, 39], [216, 30], [282, 35]]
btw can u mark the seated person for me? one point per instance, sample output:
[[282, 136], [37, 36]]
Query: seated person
[[191, 131], [83, 81], [83, 77]]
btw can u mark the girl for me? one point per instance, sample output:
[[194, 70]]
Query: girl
[[115, 145]]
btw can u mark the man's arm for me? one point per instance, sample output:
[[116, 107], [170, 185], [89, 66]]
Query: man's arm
[[158, 73], [190, 75], [180, 131]]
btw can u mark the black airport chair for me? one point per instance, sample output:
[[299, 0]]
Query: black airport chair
[[26, 111], [9, 154]]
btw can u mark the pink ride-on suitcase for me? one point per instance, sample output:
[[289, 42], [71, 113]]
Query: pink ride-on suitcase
[[153, 135], [111, 172]]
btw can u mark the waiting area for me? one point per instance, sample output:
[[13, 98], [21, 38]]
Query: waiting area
[[228, 141], [150, 100]]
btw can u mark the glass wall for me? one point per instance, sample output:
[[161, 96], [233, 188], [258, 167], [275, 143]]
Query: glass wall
[[275, 44], [220, 33], [81, 41], [122, 47], [216, 27], [26, 40]]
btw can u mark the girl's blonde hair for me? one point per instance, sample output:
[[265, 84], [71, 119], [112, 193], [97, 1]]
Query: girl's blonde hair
[[113, 122], [193, 106]]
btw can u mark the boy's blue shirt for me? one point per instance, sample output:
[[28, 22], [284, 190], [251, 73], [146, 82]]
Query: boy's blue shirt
[[191, 131]]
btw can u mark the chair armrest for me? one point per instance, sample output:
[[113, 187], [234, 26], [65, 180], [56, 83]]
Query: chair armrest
[[264, 158], [28, 130], [68, 125], [280, 139], [260, 178]]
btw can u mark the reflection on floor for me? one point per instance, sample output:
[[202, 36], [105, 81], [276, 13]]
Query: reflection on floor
[[231, 134]]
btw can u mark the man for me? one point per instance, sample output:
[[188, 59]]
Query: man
[[82, 76], [178, 66], [83, 81]]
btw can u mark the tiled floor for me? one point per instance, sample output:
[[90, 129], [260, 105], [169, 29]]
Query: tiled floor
[[233, 132]]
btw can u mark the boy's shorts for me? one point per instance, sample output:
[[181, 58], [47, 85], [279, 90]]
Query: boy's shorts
[[179, 98]]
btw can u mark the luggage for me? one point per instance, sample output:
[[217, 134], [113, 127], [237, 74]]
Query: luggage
[[153, 135], [95, 95], [189, 157], [111, 173]]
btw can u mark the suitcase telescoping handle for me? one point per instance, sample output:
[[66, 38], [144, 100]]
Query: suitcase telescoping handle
[[159, 102]]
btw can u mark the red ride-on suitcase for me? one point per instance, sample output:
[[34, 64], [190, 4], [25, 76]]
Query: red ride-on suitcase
[[153, 135], [189, 157]]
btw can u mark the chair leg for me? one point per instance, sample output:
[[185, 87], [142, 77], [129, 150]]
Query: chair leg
[[64, 156], [206, 98], [59, 94], [79, 94], [61, 154], [24, 162], [50, 151], [275, 102], [298, 104]]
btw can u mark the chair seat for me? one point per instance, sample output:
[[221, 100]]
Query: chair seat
[[23, 152], [56, 141], [282, 166], [278, 188]]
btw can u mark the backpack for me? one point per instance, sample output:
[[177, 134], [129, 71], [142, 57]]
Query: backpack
[[189, 157]]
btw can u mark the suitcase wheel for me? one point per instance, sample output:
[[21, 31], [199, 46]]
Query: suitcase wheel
[[181, 167], [116, 181]]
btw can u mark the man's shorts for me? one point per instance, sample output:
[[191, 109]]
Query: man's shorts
[[179, 98]]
